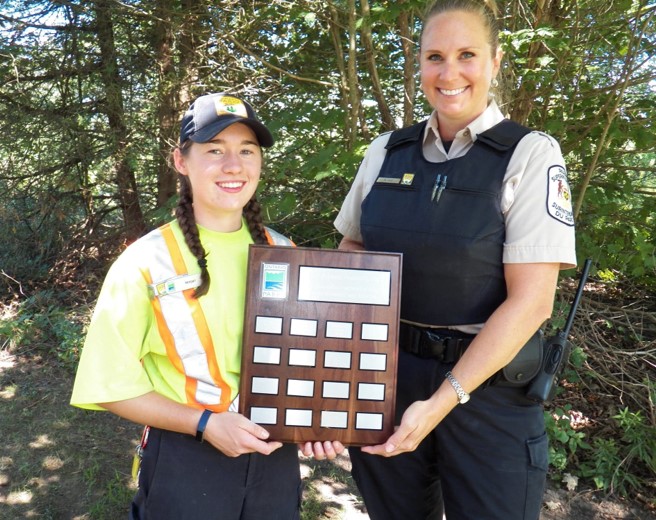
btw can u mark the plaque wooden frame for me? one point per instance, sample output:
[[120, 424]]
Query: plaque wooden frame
[[320, 344]]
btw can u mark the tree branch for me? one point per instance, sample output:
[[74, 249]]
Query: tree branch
[[274, 67]]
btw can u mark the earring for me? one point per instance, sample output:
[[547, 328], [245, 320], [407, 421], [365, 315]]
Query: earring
[[495, 83]]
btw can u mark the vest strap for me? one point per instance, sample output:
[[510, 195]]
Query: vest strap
[[183, 325], [406, 135], [504, 135], [277, 239]]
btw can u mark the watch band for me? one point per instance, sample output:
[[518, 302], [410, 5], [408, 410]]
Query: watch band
[[463, 396], [202, 423]]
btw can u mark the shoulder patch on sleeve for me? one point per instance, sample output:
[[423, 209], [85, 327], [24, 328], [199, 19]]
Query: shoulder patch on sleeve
[[559, 196]]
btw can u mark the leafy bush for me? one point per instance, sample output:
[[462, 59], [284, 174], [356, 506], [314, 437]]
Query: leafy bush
[[40, 325], [624, 465], [564, 440]]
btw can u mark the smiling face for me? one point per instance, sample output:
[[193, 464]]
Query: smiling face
[[224, 173], [457, 65]]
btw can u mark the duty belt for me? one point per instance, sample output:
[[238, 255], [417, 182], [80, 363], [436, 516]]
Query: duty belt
[[441, 344]]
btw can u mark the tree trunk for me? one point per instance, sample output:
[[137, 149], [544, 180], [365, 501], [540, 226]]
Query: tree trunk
[[352, 76], [167, 113], [134, 223], [335, 33], [524, 102], [192, 36], [405, 22], [387, 123]]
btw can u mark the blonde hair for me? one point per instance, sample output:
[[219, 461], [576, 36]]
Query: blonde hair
[[486, 9]]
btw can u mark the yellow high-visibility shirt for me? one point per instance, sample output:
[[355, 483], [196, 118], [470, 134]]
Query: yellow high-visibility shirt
[[124, 355]]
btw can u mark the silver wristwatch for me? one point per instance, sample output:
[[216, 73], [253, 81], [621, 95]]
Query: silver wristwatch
[[463, 396]]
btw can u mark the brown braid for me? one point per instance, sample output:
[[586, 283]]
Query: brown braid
[[253, 216], [184, 213]]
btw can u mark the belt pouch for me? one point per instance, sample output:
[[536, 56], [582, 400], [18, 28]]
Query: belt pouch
[[526, 364]]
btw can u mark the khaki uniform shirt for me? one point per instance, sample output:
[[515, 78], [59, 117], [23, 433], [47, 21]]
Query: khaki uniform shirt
[[536, 200]]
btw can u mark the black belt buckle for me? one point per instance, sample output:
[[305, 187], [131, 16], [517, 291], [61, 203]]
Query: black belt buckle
[[428, 344], [432, 345]]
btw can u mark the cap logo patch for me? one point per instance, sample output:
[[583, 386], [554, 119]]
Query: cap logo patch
[[559, 196], [228, 105]]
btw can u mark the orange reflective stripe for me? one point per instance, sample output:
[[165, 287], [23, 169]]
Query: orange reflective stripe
[[164, 332], [193, 355], [276, 239], [180, 268], [204, 332]]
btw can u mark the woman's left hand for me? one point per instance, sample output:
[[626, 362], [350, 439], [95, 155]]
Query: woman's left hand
[[322, 450], [417, 422]]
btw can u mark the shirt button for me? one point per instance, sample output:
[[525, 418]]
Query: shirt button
[[467, 133]]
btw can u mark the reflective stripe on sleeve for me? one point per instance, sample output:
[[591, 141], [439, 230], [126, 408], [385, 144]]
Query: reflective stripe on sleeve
[[183, 327]]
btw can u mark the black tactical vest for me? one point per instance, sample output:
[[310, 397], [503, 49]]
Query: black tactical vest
[[446, 220]]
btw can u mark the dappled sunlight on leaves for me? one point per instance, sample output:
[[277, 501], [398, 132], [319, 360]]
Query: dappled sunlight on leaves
[[8, 392]]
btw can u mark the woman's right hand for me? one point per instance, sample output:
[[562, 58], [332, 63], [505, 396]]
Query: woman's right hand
[[229, 432], [233, 434]]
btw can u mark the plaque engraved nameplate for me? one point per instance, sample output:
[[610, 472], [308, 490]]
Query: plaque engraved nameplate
[[320, 343]]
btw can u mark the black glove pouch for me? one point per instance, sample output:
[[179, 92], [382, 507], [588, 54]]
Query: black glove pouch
[[525, 365]]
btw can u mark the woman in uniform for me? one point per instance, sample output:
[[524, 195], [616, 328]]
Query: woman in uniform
[[480, 208]]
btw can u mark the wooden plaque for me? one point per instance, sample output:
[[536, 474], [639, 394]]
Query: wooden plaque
[[320, 344]]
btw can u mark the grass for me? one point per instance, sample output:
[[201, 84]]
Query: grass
[[56, 461], [61, 463]]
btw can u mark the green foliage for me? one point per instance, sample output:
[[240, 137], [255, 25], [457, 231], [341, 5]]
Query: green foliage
[[312, 506], [43, 326], [623, 466], [605, 462], [575, 76], [564, 440], [34, 233], [575, 368], [116, 493], [583, 74]]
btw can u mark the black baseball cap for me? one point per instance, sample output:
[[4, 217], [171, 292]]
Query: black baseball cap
[[212, 113]]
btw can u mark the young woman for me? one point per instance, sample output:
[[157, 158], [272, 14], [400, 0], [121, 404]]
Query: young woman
[[480, 208], [164, 345]]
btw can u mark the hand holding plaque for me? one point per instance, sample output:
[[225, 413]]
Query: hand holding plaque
[[320, 344]]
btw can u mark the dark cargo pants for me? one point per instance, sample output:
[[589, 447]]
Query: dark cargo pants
[[182, 479], [486, 461]]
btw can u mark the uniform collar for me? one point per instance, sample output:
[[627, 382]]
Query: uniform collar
[[490, 117]]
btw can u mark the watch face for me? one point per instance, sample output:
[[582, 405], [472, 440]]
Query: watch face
[[464, 398]]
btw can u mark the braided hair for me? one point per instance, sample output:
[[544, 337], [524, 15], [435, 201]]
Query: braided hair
[[184, 213]]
